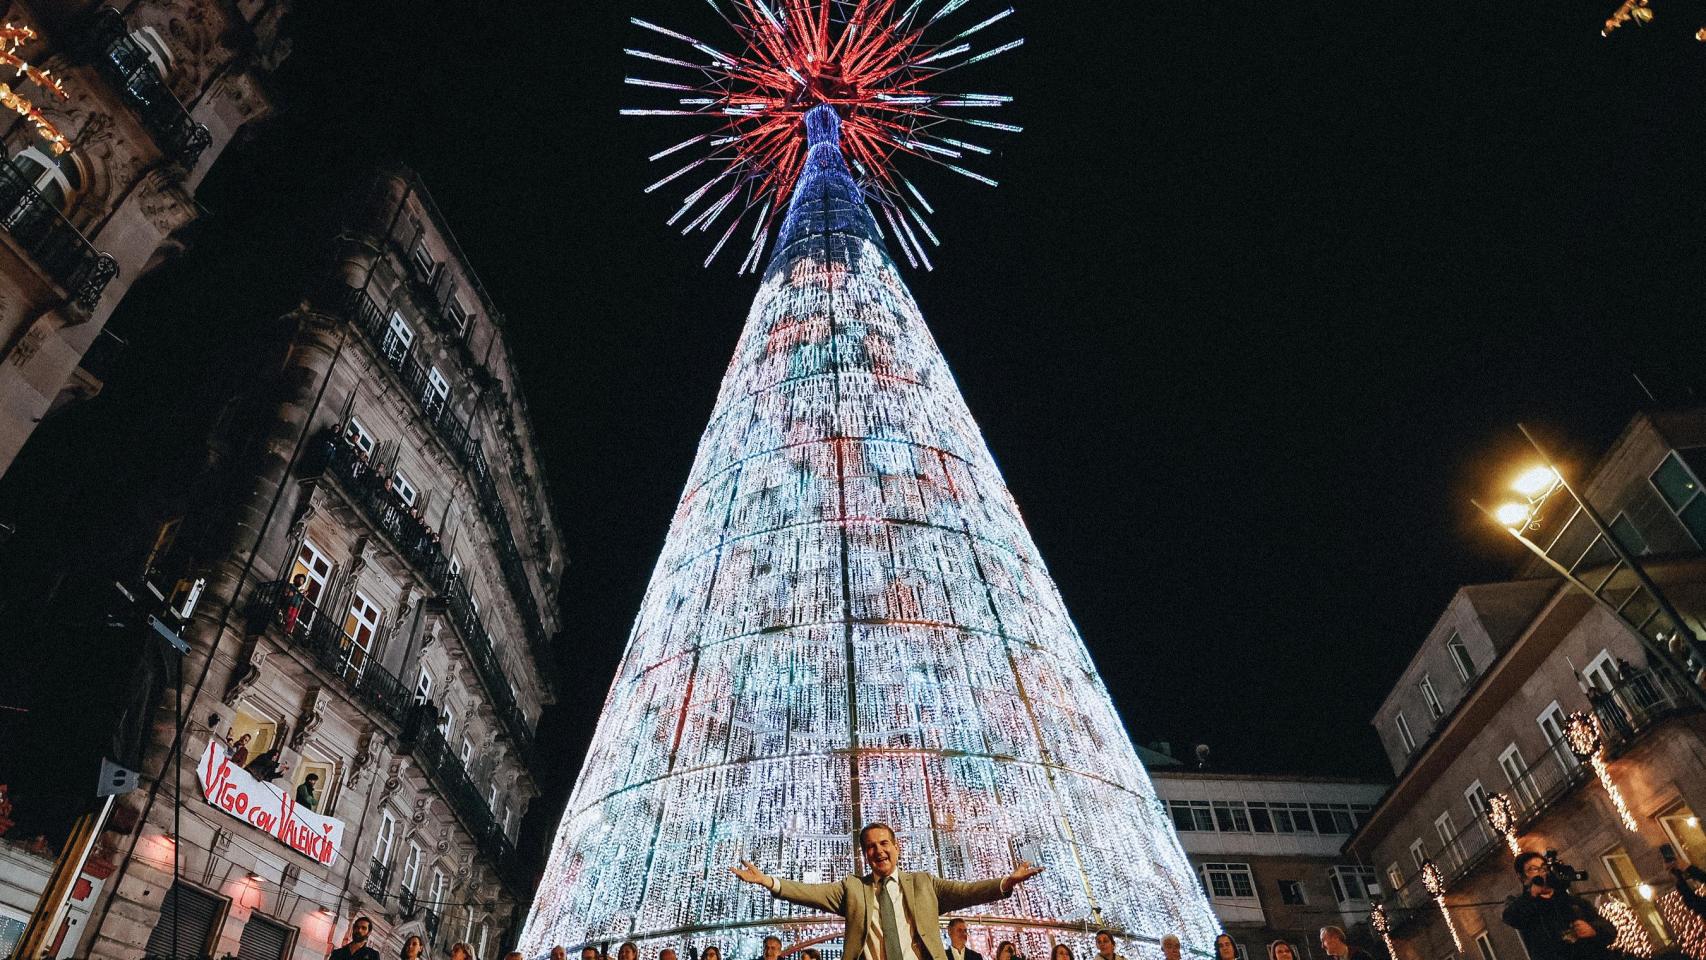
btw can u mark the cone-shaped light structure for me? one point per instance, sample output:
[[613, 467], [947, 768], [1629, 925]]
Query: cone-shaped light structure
[[850, 623]]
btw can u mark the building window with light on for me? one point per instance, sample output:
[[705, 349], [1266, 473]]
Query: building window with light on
[[1460, 656], [1678, 483]]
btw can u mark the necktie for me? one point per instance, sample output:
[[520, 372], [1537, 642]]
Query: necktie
[[885, 915]]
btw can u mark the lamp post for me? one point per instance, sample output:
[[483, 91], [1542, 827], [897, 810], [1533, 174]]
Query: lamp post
[[1658, 626]]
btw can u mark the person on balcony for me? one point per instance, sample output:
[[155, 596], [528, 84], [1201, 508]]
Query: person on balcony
[[305, 796], [295, 595], [888, 908], [1684, 871], [239, 752]]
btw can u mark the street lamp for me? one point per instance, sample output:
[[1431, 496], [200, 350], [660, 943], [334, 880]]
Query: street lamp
[[1608, 574]]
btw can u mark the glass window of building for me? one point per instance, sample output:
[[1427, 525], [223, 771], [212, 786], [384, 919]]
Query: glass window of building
[[358, 434], [1516, 773], [399, 337], [404, 487], [1628, 535], [1683, 829], [1460, 656], [1430, 697], [411, 867], [361, 624], [1229, 880], [57, 180], [1405, 737], [1484, 946], [1552, 728], [384, 838], [1680, 489], [423, 686], [1291, 893]]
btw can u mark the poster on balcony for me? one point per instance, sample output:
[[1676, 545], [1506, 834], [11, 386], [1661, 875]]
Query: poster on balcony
[[267, 807]]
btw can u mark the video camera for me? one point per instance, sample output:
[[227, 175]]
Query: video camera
[[1559, 875]]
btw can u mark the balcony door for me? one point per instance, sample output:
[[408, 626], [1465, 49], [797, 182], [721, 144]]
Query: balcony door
[[399, 337], [315, 568], [437, 393], [56, 182], [361, 625]]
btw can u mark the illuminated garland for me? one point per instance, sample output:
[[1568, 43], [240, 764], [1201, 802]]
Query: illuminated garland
[[12, 37], [1435, 882], [1501, 813], [1581, 732], [1687, 926], [1632, 937], [1382, 925]]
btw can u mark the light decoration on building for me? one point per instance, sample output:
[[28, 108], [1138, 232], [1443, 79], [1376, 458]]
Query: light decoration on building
[[13, 36], [849, 623], [1382, 926], [1435, 882], [1581, 732], [882, 64], [1688, 929], [1501, 813], [1632, 939]]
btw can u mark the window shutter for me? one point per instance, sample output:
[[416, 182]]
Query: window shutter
[[263, 940], [197, 914]]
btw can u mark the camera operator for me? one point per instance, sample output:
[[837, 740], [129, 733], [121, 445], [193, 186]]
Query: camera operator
[[1554, 924]]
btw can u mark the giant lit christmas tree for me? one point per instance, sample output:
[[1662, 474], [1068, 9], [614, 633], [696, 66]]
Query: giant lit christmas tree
[[849, 621]]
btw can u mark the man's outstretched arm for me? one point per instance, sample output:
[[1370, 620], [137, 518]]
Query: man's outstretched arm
[[828, 897], [954, 895]]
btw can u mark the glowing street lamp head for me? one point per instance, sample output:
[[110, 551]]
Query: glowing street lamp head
[[1535, 481], [1513, 515]]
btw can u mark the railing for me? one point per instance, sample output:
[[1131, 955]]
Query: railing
[[378, 877], [60, 248], [414, 540], [406, 902], [127, 65], [1633, 706], [423, 739], [373, 320], [324, 639], [430, 923]]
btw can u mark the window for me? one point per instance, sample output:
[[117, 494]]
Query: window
[[360, 626], [1419, 853], [188, 920], [264, 939], [480, 943], [447, 722], [423, 687], [1231, 817], [1430, 697], [1628, 536], [1516, 773], [1602, 672], [1679, 487], [357, 433], [258, 729], [1229, 880], [412, 867], [1484, 944], [383, 840], [467, 752], [436, 393], [406, 491], [458, 315], [1405, 737], [1449, 850], [1460, 657], [1352, 884], [1395, 877], [1260, 820], [11, 931], [154, 47], [1683, 829], [435, 901], [316, 569], [1552, 727], [1192, 815], [1624, 881], [399, 337], [506, 815], [492, 798], [456, 566], [423, 261], [1291, 892], [1476, 797], [59, 180]]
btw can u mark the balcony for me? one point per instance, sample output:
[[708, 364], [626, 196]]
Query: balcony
[[59, 248], [372, 319], [407, 904], [430, 923], [378, 878], [325, 641], [422, 738], [126, 64], [364, 487], [1639, 702]]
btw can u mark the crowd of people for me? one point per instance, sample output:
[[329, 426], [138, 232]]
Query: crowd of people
[[403, 520]]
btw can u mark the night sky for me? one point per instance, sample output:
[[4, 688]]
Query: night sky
[[1263, 293]]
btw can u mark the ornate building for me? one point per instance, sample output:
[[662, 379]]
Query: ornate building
[[104, 154], [379, 567]]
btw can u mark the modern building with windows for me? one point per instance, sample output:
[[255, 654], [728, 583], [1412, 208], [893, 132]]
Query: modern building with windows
[[378, 564], [136, 107], [1267, 849], [1479, 715]]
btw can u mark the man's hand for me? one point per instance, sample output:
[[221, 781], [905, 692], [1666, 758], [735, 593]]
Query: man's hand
[[1024, 871], [751, 874], [1583, 930]]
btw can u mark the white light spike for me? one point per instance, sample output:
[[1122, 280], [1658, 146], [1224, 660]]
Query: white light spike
[[719, 247], [636, 112], [974, 148], [659, 84], [993, 125], [660, 58], [995, 19], [950, 7], [953, 51], [1013, 45], [680, 146], [919, 218], [980, 178], [915, 192]]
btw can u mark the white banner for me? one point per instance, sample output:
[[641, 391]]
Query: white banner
[[266, 807]]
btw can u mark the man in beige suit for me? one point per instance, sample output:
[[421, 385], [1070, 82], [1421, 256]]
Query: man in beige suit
[[891, 915]]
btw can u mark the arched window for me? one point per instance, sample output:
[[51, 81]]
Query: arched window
[[59, 179], [154, 47]]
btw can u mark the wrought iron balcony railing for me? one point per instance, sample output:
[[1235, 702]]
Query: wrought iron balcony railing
[[127, 65], [365, 488], [430, 923], [423, 739], [406, 902], [1638, 701], [58, 247], [329, 645], [366, 314], [378, 877]]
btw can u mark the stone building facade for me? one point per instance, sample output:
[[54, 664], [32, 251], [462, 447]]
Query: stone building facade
[[1267, 849], [1480, 713], [153, 96], [380, 565]]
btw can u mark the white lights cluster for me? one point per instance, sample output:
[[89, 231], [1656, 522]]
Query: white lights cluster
[[849, 623]]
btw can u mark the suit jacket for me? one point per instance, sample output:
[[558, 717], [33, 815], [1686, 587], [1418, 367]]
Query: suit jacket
[[926, 897], [970, 953]]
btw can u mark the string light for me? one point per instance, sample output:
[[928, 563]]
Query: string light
[[13, 36], [1632, 938], [1685, 925], [1382, 925], [1501, 813], [1435, 882], [1581, 732]]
